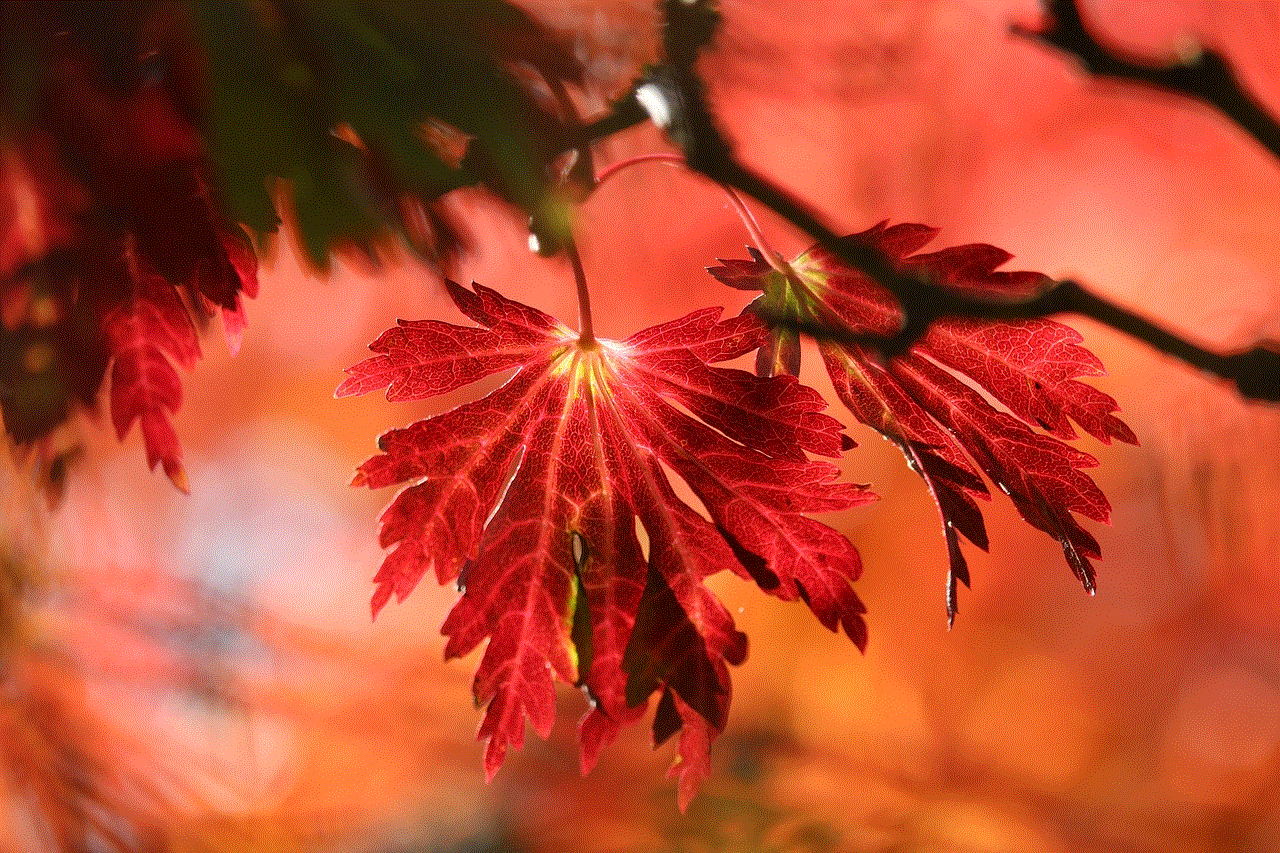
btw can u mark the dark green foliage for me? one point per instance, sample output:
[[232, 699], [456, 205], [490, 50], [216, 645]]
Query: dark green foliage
[[335, 99]]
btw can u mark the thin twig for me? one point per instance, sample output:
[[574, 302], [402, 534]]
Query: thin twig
[[614, 168], [1207, 76], [749, 221]]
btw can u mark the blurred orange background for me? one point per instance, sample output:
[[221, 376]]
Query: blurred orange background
[[240, 697]]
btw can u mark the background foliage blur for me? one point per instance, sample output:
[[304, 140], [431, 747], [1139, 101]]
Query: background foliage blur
[[200, 673]]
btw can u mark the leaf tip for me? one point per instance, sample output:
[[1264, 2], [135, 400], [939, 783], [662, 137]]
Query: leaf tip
[[381, 596], [1121, 431], [685, 795], [233, 326], [494, 753], [855, 627], [178, 476]]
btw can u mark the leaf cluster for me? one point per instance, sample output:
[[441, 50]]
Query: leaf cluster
[[580, 507]]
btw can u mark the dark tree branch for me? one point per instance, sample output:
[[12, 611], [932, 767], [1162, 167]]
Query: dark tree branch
[[1255, 372], [1207, 77], [690, 124]]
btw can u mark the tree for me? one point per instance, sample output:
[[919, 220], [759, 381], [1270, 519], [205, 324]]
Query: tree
[[363, 118]]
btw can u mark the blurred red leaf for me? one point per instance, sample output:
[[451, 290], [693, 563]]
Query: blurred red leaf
[[113, 240], [144, 335]]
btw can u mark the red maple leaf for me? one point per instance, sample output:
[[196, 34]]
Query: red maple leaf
[[530, 496], [947, 429]]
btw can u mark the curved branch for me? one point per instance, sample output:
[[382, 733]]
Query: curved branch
[[1255, 372], [1207, 76]]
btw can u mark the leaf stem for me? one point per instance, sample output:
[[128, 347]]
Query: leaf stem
[[586, 330], [614, 168], [749, 221]]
